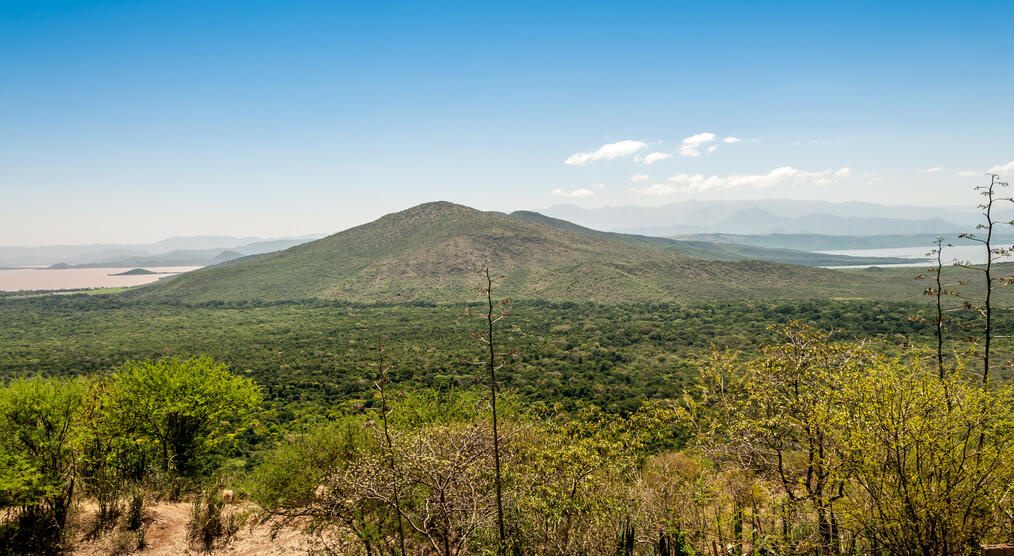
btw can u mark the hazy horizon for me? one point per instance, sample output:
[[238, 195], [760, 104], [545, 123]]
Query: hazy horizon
[[181, 232]]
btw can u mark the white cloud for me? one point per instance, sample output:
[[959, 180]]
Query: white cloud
[[652, 158], [574, 194], [612, 150], [783, 175], [692, 144], [969, 173], [731, 140], [1002, 169], [931, 170], [657, 189], [712, 148], [636, 178]]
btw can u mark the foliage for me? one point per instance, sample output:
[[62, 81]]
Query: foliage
[[64, 438], [562, 477], [182, 410], [928, 461], [308, 357], [40, 445], [848, 448]]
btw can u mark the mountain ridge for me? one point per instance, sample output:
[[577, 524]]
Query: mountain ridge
[[716, 250], [768, 216], [430, 253]]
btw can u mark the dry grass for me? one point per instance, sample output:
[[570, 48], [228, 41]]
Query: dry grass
[[165, 534]]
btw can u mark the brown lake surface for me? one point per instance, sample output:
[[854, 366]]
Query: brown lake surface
[[78, 278]]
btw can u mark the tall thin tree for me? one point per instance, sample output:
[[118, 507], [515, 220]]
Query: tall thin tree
[[938, 291], [381, 383], [494, 362], [984, 305]]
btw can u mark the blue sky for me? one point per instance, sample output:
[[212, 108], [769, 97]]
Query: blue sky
[[134, 121]]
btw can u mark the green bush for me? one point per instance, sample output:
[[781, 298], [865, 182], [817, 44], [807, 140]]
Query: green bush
[[41, 437], [182, 413]]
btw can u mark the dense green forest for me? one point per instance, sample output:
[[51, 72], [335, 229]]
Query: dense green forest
[[613, 355]]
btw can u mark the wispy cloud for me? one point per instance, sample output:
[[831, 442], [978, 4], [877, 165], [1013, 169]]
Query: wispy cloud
[[691, 145], [612, 150], [931, 170], [574, 193], [1002, 169], [656, 189], [784, 175], [730, 140], [637, 178], [652, 158]]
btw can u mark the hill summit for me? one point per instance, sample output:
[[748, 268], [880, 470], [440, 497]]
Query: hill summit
[[430, 253]]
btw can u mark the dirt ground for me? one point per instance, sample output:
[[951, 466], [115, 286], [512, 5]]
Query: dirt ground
[[165, 534]]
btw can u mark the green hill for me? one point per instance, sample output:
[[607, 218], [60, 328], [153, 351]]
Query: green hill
[[134, 272], [715, 250], [430, 253]]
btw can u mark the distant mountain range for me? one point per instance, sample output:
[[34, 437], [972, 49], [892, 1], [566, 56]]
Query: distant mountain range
[[716, 250], [723, 230], [431, 252], [772, 217], [820, 242], [177, 251]]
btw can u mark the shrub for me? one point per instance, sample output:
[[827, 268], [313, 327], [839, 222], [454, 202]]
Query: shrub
[[182, 411], [208, 524], [40, 420]]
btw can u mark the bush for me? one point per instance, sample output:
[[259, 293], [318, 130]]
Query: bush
[[209, 525], [40, 420], [181, 411]]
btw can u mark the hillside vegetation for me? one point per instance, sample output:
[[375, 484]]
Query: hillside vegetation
[[423, 253]]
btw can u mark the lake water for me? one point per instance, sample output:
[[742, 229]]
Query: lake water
[[971, 253], [80, 278]]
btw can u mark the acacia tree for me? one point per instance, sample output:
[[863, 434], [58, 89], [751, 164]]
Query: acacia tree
[[336, 481], [185, 407], [772, 422], [573, 475], [41, 440], [928, 461]]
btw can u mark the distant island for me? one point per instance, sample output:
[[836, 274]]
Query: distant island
[[138, 272]]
